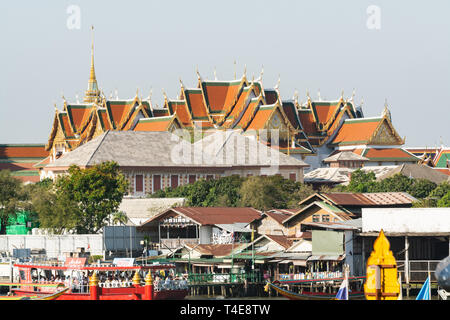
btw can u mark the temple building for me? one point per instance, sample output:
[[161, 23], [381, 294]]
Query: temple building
[[321, 133], [153, 161]]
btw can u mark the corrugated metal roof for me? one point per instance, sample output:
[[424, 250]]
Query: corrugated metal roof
[[212, 215], [326, 257], [369, 199]]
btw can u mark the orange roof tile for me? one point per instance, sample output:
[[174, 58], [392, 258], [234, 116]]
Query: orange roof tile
[[118, 111], [154, 124], [65, 126], [248, 113], [78, 115], [389, 154], [182, 111], [103, 118], [307, 121], [221, 96], [357, 131], [194, 99], [324, 111], [261, 117], [238, 107], [22, 151]]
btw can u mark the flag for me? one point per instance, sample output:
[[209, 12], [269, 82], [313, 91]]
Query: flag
[[424, 293], [342, 294]]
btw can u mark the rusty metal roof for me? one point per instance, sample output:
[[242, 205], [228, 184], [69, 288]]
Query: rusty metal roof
[[211, 215], [370, 199]]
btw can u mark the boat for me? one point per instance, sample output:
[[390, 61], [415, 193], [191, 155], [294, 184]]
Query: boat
[[98, 281], [51, 296], [317, 289]]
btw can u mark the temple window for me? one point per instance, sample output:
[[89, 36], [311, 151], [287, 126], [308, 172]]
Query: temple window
[[325, 218], [156, 182], [174, 180], [315, 218], [192, 178], [139, 183]]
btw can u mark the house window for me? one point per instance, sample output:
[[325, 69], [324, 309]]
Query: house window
[[293, 176], [315, 218], [174, 180], [156, 182], [325, 218], [139, 183], [192, 178]]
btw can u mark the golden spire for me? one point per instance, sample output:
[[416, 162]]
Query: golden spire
[[92, 93]]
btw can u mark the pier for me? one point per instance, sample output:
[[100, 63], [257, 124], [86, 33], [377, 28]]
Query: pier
[[228, 285]]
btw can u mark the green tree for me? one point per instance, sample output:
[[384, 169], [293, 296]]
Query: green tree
[[119, 217], [272, 192], [10, 194], [206, 193], [441, 190], [361, 181], [97, 192], [396, 183], [444, 201], [56, 212], [421, 188]]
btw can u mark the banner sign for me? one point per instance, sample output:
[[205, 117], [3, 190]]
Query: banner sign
[[123, 262], [75, 262]]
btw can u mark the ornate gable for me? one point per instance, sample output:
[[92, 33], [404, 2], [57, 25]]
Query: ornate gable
[[385, 134]]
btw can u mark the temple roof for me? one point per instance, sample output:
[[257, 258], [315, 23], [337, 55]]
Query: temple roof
[[157, 124], [345, 156], [150, 149]]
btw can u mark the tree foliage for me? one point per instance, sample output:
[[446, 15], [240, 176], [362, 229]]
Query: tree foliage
[[10, 195], [427, 192], [81, 201], [233, 191]]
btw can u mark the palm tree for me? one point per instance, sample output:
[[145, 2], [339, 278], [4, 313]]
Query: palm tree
[[119, 217]]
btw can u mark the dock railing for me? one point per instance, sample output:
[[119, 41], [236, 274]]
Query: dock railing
[[416, 271], [203, 278]]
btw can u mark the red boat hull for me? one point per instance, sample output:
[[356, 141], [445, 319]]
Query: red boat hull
[[114, 294]]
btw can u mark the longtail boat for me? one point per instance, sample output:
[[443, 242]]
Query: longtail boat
[[52, 296], [326, 289]]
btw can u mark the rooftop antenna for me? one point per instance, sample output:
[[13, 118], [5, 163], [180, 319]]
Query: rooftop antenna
[[76, 97], [116, 92], [318, 95], [215, 74]]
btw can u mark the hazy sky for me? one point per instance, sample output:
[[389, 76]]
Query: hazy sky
[[327, 45]]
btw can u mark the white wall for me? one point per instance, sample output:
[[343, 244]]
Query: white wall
[[55, 245], [406, 220]]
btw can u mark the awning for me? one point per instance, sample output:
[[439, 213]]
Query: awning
[[202, 265], [285, 261], [301, 263], [275, 260], [326, 257]]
